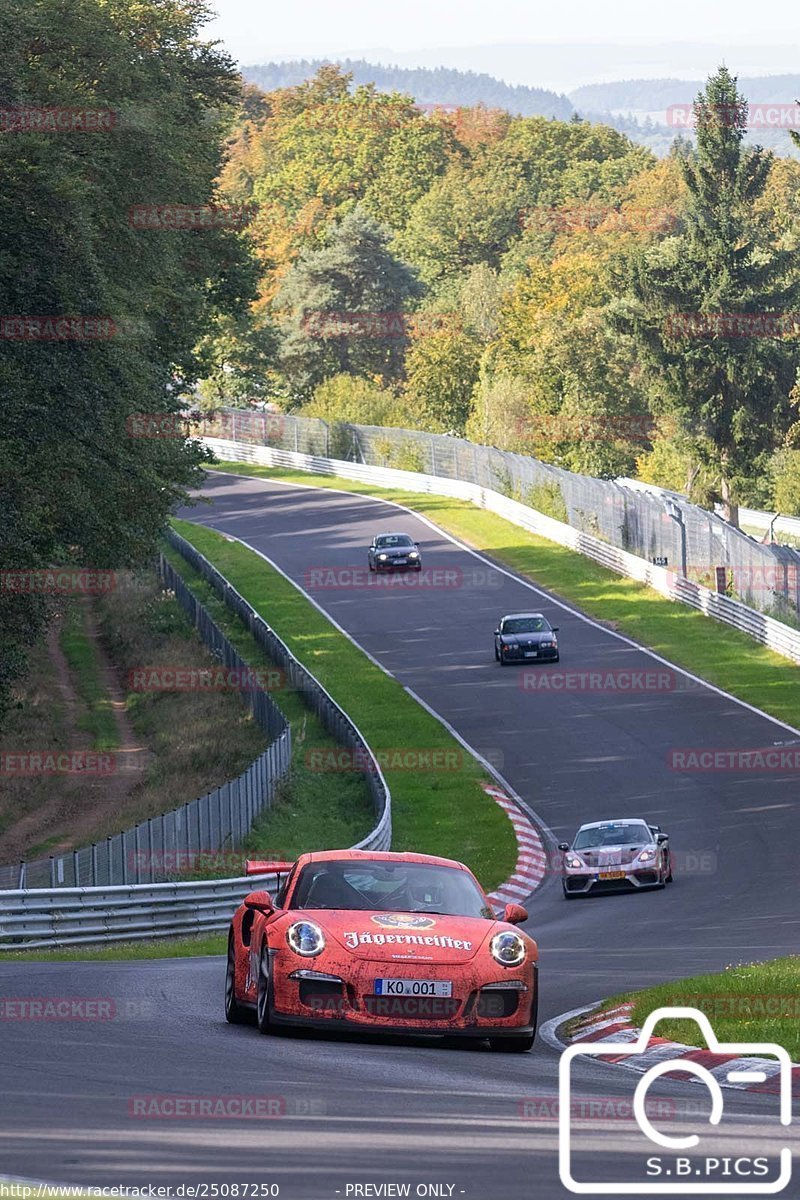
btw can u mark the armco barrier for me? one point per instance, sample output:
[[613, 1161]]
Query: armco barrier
[[44, 917], [770, 632]]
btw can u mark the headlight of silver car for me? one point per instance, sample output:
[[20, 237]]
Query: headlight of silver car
[[647, 855], [306, 938], [508, 948], [383, 557], [573, 862], [413, 554]]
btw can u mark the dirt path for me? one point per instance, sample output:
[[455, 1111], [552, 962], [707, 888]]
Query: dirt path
[[67, 811]]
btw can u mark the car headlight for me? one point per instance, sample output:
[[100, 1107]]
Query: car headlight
[[647, 855], [545, 645], [508, 948], [573, 862], [383, 557], [306, 938], [413, 554]]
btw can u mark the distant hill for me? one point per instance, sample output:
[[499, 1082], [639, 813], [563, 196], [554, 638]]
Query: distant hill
[[636, 107], [428, 85], [652, 95]]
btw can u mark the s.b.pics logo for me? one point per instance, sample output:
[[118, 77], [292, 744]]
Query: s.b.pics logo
[[672, 1155]]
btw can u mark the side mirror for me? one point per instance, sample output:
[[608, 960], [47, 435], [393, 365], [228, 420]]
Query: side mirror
[[555, 629], [563, 845], [656, 828], [515, 914], [497, 633], [260, 902], [661, 837]]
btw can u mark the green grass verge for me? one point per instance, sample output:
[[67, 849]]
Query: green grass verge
[[438, 811], [185, 947], [754, 1002], [300, 819], [709, 649], [98, 719]]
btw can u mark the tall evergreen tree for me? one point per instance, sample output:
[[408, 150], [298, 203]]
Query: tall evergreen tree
[[702, 305], [345, 305]]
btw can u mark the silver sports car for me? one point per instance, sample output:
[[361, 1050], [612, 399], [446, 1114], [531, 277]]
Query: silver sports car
[[613, 856]]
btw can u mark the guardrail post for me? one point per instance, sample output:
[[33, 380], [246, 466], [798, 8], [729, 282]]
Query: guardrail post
[[110, 861], [75, 868], [94, 864], [52, 872], [124, 851], [21, 881], [136, 855]]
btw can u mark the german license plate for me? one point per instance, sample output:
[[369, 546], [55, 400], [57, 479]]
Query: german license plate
[[413, 987], [612, 875]]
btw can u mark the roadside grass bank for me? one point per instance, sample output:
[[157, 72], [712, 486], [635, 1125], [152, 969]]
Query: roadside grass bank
[[713, 651], [181, 947], [310, 811], [441, 809], [752, 1002]]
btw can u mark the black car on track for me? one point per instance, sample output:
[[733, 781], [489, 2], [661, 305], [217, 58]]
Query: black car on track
[[394, 552], [525, 637]]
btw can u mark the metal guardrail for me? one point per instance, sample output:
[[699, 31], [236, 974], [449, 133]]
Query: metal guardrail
[[334, 718], [780, 637], [31, 918], [50, 918]]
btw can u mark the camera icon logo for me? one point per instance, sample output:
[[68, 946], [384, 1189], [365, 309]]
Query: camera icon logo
[[740, 1072]]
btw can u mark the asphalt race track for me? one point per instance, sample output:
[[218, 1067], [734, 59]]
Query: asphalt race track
[[357, 1111]]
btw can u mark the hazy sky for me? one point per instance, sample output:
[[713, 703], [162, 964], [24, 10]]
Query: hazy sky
[[477, 33]]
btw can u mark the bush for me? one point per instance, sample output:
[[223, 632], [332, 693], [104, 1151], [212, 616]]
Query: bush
[[547, 498]]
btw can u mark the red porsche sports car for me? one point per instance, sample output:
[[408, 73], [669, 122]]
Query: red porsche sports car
[[377, 941]]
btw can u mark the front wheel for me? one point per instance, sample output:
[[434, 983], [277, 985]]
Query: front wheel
[[234, 1013], [496, 654], [262, 993], [512, 1045]]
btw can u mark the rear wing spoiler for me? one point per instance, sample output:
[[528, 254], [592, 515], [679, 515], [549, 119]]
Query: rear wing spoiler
[[256, 866]]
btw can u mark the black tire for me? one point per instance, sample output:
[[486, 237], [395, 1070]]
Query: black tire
[[263, 993], [669, 878], [512, 1045], [369, 564], [234, 1013], [496, 654]]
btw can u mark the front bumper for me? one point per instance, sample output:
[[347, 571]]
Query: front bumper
[[520, 654], [582, 883], [391, 565], [482, 1005]]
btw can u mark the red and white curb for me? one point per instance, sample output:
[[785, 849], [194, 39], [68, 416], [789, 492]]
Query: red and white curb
[[596, 1024], [531, 865]]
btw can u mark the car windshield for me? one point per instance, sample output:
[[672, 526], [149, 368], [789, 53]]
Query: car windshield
[[402, 887], [616, 833], [525, 625], [391, 540]]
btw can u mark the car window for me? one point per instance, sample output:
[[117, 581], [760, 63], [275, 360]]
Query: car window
[[525, 625], [393, 539], [364, 885], [615, 833]]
